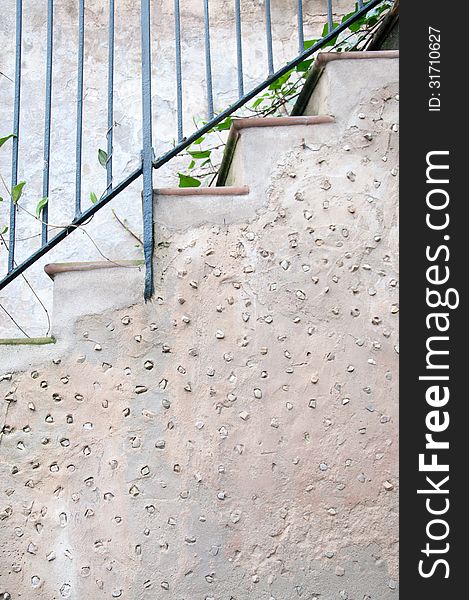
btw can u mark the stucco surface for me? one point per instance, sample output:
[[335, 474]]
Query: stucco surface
[[111, 238], [236, 438]]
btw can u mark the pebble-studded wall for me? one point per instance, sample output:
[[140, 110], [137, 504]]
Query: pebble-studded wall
[[235, 439]]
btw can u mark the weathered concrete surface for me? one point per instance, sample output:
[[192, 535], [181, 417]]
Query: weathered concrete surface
[[343, 85], [110, 237], [235, 439]]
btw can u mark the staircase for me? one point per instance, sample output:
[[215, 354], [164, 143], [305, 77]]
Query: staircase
[[361, 14], [326, 110]]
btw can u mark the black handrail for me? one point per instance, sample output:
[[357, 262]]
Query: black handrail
[[148, 161]]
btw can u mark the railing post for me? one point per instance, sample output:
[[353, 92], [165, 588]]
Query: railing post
[[110, 97], [301, 36], [239, 48], [47, 120], [79, 134], [208, 61], [177, 38], [147, 149], [268, 30], [16, 133], [330, 21]]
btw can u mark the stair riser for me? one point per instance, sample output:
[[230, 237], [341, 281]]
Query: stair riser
[[345, 84], [259, 149]]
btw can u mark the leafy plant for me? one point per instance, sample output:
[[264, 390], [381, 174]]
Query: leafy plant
[[6, 138], [17, 191], [102, 158], [188, 181], [40, 206]]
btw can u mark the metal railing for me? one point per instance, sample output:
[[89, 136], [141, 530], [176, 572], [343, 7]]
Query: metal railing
[[148, 160]]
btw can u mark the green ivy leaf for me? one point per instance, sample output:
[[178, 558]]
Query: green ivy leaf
[[308, 43], [277, 84], [198, 154], [325, 31], [102, 157], [3, 230], [40, 206], [93, 198], [256, 103], [349, 15], [17, 191], [357, 25], [191, 165], [304, 66], [188, 181], [224, 125], [372, 20], [6, 138], [199, 140]]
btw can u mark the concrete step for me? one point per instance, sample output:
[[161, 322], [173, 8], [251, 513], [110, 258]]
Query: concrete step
[[181, 208], [87, 288], [81, 289], [337, 83], [270, 138]]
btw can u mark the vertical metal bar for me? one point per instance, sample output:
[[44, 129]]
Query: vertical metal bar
[[268, 29], [147, 149], [330, 22], [360, 4], [110, 97], [239, 47], [177, 33], [208, 61], [47, 118], [79, 135], [301, 35], [16, 131]]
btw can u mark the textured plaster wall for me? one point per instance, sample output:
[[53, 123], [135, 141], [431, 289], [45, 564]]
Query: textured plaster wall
[[235, 439], [112, 240]]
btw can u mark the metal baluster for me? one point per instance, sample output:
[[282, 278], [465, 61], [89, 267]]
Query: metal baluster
[[268, 29], [16, 132], [147, 149], [208, 61], [239, 47], [360, 4], [301, 36], [79, 134], [47, 119], [330, 22], [110, 97], [177, 32]]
